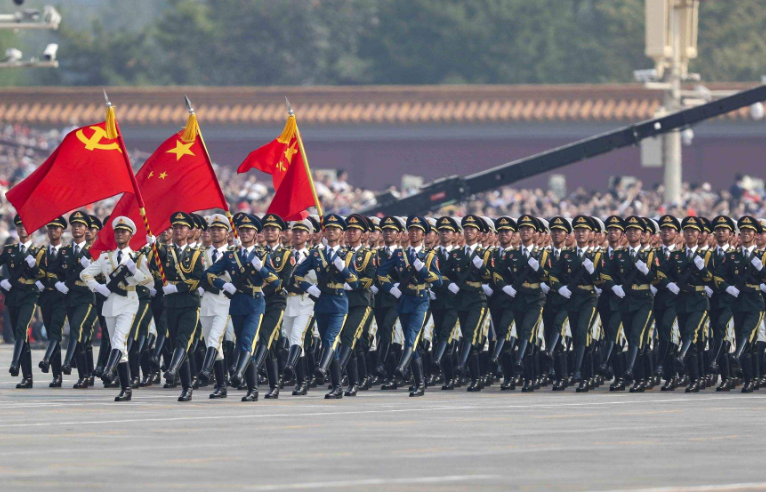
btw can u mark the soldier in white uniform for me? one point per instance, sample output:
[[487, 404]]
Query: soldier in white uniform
[[299, 311], [214, 307], [124, 270]]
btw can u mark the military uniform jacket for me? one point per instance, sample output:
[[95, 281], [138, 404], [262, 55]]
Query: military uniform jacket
[[621, 270], [383, 299], [214, 300], [499, 276], [185, 270], [462, 272], [444, 298], [664, 299], [554, 298], [282, 262], [330, 281], [79, 293], [736, 270], [117, 304], [298, 302], [54, 268], [525, 280], [569, 271], [690, 279], [365, 263], [720, 300], [20, 275], [249, 298], [414, 284]]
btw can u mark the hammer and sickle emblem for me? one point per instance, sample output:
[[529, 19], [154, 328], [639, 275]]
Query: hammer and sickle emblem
[[94, 142]]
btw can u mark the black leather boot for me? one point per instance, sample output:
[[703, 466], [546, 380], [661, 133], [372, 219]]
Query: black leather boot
[[207, 365], [465, 353], [518, 366], [302, 378], [325, 361], [420, 381], [404, 363], [273, 376], [292, 359], [243, 362], [497, 352], [71, 350], [352, 370], [220, 381], [123, 371], [337, 387], [632, 355], [384, 347], [45, 364], [157, 352], [186, 394], [18, 349], [251, 377], [171, 375], [111, 365], [82, 380]]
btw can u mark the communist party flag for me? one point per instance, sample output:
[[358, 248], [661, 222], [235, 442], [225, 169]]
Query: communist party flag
[[178, 176], [277, 156], [88, 166]]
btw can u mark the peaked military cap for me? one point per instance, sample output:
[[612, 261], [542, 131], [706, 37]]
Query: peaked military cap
[[356, 221], [583, 222], [95, 222], [182, 218], [219, 220], [749, 222], [527, 221], [199, 222], [79, 217], [707, 226], [635, 222], [418, 222], [472, 221], [303, 225], [334, 220], [273, 220], [124, 223], [391, 222], [505, 224], [375, 221], [615, 221], [447, 223], [560, 223], [692, 222], [248, 221], [598, 224], [489, 224], [314, 219], [542, 225], [57, 222], [723, 221], [668, 220]]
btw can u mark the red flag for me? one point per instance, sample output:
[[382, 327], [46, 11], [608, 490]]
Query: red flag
[[277, 156], [294, 196], [178, 176], [87, 167]]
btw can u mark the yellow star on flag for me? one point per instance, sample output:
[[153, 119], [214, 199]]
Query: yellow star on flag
[[163, 175], [181, 150]]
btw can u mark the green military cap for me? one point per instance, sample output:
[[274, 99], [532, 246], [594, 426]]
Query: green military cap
[[527, 221], [356, 221], [749, 222], [79, 217], [182, 218], [723, 221], [474, 221], [447, 223], [561, 223], [615, 221], [505, 224], [583, 222], [57, 222], [17, 220], [651, 225], [274, 220], [635, 222], [707, 226], [95, 222], [391, 222], [668, 220], [199, 222], [692, 222]]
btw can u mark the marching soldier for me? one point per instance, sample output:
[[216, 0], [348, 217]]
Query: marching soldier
[[124, 273], [90, 236], [52, 299], [554, 313], [248, 273], [385, 303], [443, 307], [333, 271], [21, 294], [214, 308], [80, 301], [299, 311], [573, 277], [360, 300], [720, 305], [417, 270], [183, 269], [608, 305], [665, 303], [740, 275]]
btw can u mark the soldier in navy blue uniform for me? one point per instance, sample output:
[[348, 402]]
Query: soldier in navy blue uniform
[[333, 270], [249, 272], [417, 270]]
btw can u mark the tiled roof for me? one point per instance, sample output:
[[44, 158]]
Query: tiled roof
[[341, 105]]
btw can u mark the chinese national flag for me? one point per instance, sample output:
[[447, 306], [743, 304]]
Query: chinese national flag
[[177, 177], [294, 196], [87, 167], [277, 156]]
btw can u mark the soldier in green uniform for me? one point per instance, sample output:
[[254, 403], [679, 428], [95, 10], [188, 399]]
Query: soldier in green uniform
[[385, 303], [443, 307], [665, 303], [183, 271], [80, 301], [740, 275], [573, 277], [52, 300], [23, 263], [608, 302], [720, 306], [161, 347]]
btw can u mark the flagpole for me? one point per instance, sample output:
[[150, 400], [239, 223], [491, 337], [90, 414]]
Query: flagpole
[[305, 161], [137, 192], [210, 165]]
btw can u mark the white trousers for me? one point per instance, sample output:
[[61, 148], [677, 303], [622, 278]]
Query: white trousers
[[213, 330], [294, 328], [119, 329]]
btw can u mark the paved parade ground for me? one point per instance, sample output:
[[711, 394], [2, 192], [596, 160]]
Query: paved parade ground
[[67, 439]]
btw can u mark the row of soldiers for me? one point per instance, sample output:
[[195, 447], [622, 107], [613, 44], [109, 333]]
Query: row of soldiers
[[366, 301]]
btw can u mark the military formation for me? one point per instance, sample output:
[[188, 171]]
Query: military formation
[[355, 303]]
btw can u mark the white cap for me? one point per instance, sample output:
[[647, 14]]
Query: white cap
[[124, 223]]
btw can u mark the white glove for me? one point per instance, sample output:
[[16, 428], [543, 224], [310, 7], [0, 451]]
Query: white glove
[[150, 239], [229, 287], [5, 284], [418, 264], [617, 289], [598, 290], [641, 266], [509, 290], [478, 262], [432, 295], [61, 287], [453, 288], [588, 266], [339, 264], [709, 291], [314, 291], [40, 286], [565, 292], [85, 262], [152, 292], [200, 291], [544, 287], [131, 266], [103, 290], [257, 263], [169, 289], [700, 262], [487, 290], [757, 263], [30, 261], [672, 287], [237, 242], [533, 263], [395, 292], [653, 289], [732, 291], [347, 287], [374, 290]]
